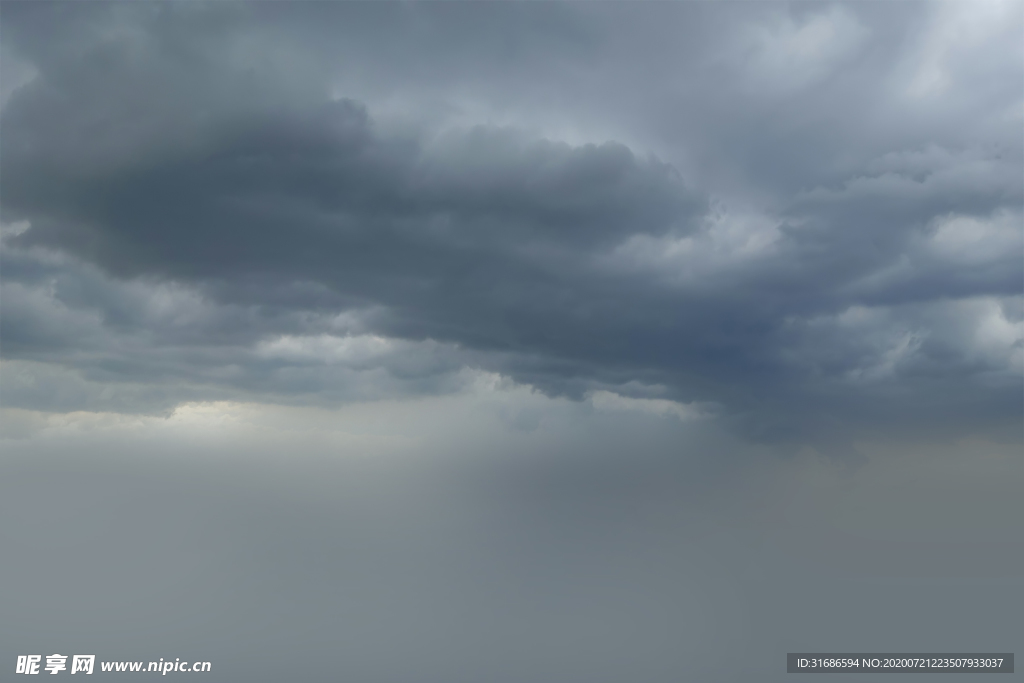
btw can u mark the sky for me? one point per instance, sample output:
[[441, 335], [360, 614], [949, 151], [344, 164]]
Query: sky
[[510, 341]]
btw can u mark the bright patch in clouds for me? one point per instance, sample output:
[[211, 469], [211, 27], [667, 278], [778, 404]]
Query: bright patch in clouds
[[972, 240], [325, 348], [794, 52], [608, 401]]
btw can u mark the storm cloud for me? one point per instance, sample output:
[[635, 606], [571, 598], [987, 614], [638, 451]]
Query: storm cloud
[[174, 147]]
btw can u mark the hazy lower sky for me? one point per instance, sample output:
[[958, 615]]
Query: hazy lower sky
[[510, 342]]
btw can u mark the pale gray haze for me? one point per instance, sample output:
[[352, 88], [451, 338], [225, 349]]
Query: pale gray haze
[[523, 342]]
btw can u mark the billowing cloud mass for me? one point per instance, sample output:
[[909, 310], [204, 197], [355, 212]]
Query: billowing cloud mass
[[768, 231], [787, 211]]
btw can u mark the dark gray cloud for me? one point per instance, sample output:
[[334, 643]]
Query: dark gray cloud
[[781, 168]]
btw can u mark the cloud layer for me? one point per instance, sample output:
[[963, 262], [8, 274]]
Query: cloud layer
[[753, 240]]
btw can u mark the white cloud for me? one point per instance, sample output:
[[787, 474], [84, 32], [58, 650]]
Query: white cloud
[[971, 240], [956, 31], [731, 239], [14, 229], [974, 335], [607, 401], [14, 73], [790, 53], [987, 333], [325, 348], [885, 363]]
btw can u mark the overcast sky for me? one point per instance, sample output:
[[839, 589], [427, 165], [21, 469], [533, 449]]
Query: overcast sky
[[510, 341]]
